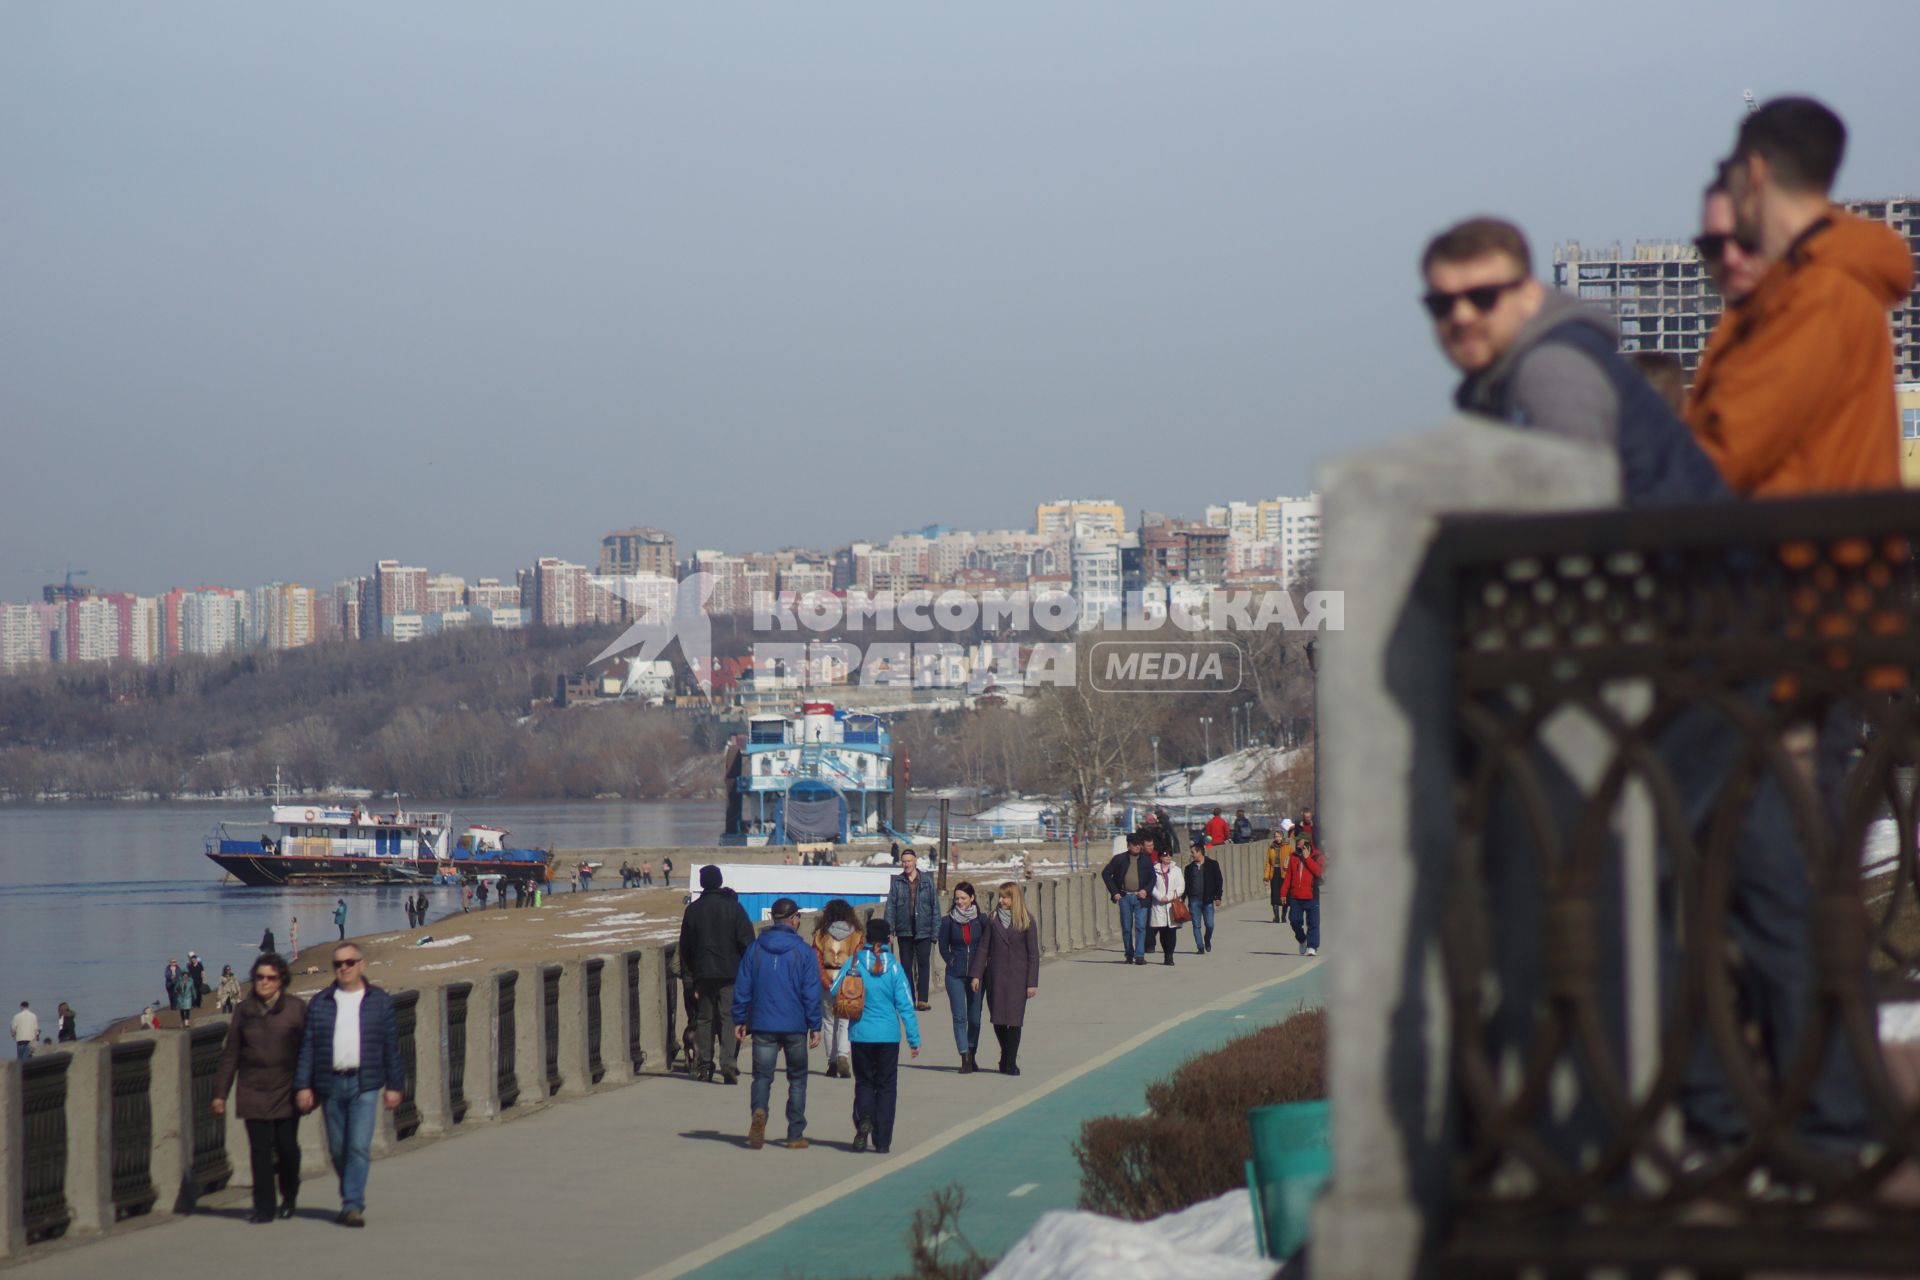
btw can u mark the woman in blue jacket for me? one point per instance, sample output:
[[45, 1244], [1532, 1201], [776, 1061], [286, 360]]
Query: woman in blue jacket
[[876, 1036], [962, 932]]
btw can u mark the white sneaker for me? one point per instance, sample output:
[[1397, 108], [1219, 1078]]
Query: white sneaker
[[1313, 951]]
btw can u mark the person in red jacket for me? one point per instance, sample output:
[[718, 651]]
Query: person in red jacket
[[1302, 893], [1217, 829]]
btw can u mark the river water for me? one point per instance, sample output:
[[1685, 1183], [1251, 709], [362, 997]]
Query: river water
[[95, 900]]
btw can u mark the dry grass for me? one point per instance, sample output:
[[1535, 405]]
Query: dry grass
[[1193, 1144]]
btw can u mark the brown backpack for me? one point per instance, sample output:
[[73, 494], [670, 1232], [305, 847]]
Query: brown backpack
[[850, 991]]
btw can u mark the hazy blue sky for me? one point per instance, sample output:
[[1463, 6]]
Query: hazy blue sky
[[287, 288]]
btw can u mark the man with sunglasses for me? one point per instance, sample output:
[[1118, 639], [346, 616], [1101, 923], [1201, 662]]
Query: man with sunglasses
[[350, 1065], [1797, 396], [1542, 361]]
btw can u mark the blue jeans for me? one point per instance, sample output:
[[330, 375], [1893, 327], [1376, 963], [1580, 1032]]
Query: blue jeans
[[965, 1004], [350, 1112], [1202, 915], [23, 1049], [1304, 915], [1133, 925], [767, 1048]]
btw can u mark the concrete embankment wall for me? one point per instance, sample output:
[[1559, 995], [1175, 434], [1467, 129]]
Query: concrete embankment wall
[[109, 1132]]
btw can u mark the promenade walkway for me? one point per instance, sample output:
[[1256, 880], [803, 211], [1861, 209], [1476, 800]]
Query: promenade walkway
[[654, 1180]]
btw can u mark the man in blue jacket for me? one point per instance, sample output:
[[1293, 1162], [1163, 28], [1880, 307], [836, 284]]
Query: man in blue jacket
[[776, 999], [350, 1064]]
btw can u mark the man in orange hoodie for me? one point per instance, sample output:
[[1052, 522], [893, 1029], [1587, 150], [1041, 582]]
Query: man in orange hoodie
[[1797, 396]]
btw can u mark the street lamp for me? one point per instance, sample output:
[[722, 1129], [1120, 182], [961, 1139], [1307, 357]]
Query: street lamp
[[1247, 733], [1206, 735], [1154, 739]]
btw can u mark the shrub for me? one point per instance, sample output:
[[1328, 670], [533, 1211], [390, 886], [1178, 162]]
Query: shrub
[[1193, 1144]]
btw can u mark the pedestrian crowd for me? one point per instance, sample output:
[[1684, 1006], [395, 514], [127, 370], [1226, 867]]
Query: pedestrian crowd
[[858, 990]]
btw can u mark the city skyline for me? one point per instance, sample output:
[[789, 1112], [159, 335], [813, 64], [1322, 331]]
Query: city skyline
[[694, 262]]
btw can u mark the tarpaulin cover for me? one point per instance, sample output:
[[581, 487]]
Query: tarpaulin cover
[[813, 814]]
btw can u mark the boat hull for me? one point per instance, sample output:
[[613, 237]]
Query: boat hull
[[271, 870]]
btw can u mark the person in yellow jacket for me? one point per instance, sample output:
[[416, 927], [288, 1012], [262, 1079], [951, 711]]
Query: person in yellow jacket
[[1278, 852]]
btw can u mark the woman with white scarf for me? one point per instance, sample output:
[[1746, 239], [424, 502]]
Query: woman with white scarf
[[1168, 887]]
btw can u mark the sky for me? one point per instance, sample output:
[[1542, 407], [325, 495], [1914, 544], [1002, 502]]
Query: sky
[[288, 289]]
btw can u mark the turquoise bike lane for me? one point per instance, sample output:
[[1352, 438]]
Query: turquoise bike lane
[[1012, 1169]]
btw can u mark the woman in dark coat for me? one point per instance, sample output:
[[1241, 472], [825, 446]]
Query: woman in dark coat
[[1007, 968], [262, 1049]]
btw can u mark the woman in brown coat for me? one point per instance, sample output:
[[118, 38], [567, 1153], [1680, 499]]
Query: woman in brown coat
[[1009, 966], [263, 1046]]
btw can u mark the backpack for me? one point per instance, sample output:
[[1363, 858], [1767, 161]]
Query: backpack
[[850, 990]]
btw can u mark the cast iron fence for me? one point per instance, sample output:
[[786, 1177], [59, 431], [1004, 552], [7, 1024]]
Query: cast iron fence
[[406, 1014], [506, 1075], [43, 1181], [636, 1052], [550, 1019], [130, 1133], [596, 1066], [1685, 872], [211, 1169], [456, 1042]]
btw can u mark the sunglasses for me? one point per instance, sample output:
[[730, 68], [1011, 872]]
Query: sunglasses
[[1482, 298], [346, 964], [266, 977]]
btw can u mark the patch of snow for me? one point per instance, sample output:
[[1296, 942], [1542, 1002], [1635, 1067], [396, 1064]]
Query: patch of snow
[[1900, 1021], [387, 937], [1214, 1238], [427, 944], [450, 964], [588, 911]]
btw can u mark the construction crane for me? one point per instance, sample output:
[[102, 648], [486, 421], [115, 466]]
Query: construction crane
[[66, 590]]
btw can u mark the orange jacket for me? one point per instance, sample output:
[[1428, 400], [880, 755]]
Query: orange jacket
[[1794, 393]]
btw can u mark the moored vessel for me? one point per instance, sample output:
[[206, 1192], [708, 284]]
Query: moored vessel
[[310, 844]]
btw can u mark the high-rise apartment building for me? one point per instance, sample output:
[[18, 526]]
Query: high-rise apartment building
[[1657, 291], [445, 591], [1278, 534], [491, 593], [1066, 516], [396, 589], [27, 634], [643, 550]]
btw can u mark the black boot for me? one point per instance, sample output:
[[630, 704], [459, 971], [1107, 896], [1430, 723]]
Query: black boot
[[1012, 1064], [967, 1064]]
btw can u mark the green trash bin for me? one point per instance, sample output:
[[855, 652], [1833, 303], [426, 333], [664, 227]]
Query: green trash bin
[[1292, 1160]]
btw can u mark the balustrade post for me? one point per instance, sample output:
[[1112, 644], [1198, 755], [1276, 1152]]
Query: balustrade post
[[90, 1136], [530, 1037], [430, 1083], [653, 1009], [615, 1058], [1385, 760], [575, 1077], [480, 1078], [171, 1161], [13, 1169]]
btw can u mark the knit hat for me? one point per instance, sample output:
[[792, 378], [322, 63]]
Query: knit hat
[[879, 932], [710, 877]]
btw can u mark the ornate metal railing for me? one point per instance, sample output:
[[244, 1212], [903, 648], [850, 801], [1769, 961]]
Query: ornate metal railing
[[211, 1169], [130, 1132], [43, 1182], [457, 993], [636, 1051], [506, 1075], [596, 1066], [550, 1019], [406, 1013], [1685, 871]]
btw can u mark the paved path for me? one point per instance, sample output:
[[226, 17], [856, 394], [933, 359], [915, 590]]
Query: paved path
[[654, 1179]]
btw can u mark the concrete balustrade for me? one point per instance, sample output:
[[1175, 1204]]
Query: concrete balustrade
[[1071, 913]]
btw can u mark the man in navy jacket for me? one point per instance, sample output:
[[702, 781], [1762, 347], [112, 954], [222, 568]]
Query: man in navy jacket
[[350, 1064]]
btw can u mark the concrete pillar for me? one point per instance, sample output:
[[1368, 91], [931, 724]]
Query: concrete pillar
[[432, 1087], [613, 1021], [480, 1081], [172, 1102], [653, 1010], [1384, 696], [530, 1037], [90, 1136], [1076, 910], [13, 1150], [575, 1076]]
